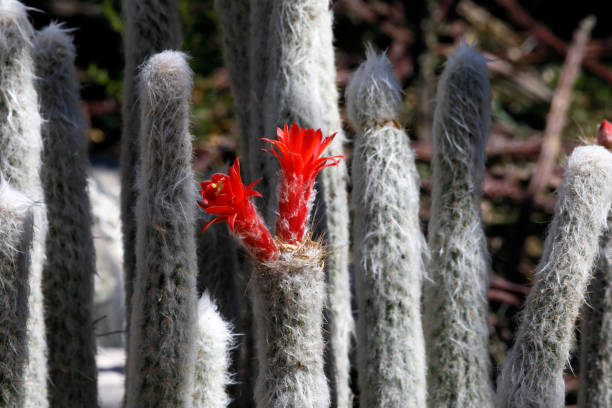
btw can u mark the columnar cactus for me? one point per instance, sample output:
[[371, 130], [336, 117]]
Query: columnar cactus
[[213, 344], [16, 230], [163, 325], [151, 26], [69, 269], [596, 332], [389, 245], [339, 315], [288, 296], [218, 268], [261, 53], [20, 146], [292, 92], [532, 373], [235, 26], [455, 296], [596, 338], [288, 284]]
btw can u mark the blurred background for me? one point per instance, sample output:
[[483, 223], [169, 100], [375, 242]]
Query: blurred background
[[527, 43]]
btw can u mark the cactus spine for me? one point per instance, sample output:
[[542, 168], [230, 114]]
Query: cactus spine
[[213, 344], [162, 344], [16, 230], [455, 299], [20, 147], [532, 373], [596, 339], [150, 26], [70, 265], [338, 310], [389, 245], [288, 297]]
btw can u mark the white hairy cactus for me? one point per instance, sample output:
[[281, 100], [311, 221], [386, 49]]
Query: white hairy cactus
[[339, 315], [16, 230], [532, 373], [389, 244], [70, 266], [151, 26], [213, 344], [20, 146], [161, 353], [292, 92], [596, 332], [455, 296], [288, 297]]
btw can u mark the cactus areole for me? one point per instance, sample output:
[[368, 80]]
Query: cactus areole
[[299, 152]]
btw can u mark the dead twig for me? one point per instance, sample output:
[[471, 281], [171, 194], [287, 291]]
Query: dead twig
[[522, 18]]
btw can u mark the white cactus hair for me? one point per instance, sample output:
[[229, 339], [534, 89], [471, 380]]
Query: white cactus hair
[[16, 230], [161, 353], [596, 331], [13, 201], [455, 299], [213, 345], [20, 146], [341, 325], [288, 298], [532, 372], [373, 93], [390, 249]]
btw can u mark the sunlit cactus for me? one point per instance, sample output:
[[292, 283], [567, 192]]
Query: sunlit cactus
[[389, 245], [161, 354], [455, 295], [532, 373], [20, 148]]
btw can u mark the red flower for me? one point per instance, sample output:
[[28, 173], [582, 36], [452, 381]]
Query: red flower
[[299, 152], [604, 134], [226, 196]]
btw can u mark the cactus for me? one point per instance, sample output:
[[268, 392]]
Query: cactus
[[389, 245], [20, 146], [213, 344], [163, 325], [532, 373], [220, 274], [292, 92], [596, 340], [596, 332], [261, 55], [234, 20], [455, 299], [288, 283], [16, 230], [288, 296], [151, 26], [218, 268], [339, 315], [70, 266]]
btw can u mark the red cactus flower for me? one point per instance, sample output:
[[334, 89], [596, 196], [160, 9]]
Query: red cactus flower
[[299, 152], [604, 134], [226, 196]]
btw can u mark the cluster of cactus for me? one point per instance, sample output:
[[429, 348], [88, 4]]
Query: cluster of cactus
[[421, 320]]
